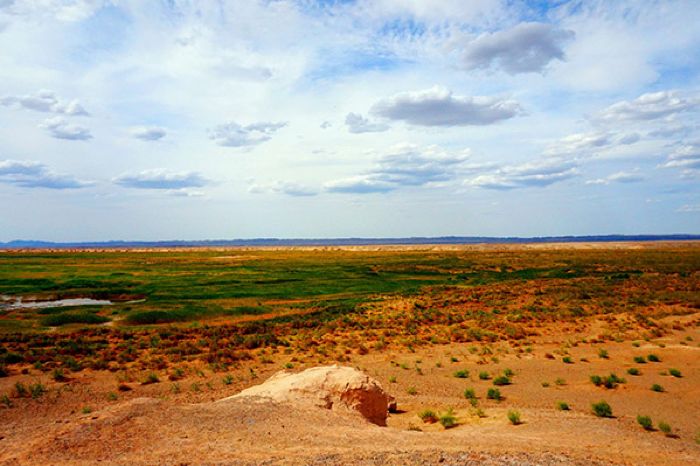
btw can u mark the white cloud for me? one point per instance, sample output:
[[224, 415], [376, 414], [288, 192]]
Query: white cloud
[[619, 177], [689, 208], [686, 156], [59, 128], [32, 174], [575, 143], [284, 187], [148, 133], [649, 106], [437, 106], [532, 174], [526, 48], [233, 134], [45, 101], [358, 124], [162, 179], [405, 165]]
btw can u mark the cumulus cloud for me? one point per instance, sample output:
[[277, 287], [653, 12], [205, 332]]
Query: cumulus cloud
[[45, 101], [619, 177], [650, 106], [404, 165], [439, 107], [162, 179], [358, 124], [284, 187], [574, 143], [32, 174], [233, 134], [59, 128], [148, 133], [685, 157], [532, 174], [526, 48]]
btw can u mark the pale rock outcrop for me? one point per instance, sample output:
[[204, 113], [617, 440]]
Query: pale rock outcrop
[[330, 387]]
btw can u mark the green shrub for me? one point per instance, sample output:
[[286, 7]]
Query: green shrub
[[392, 379], [412, 391], [461, 374], [58, 375], [514, 417], [645, 422], [37, 390], [428, 416], [152, 377], [675, 373], [20, 390], [657, 388], [640, 360], [228, 379], [602, 409], [483, 375], [665, 428], [653, 358], [469, 394], [86, 410], [448, 419], [494, 394], [508, 372], [633, 371], [501, 380], [562, 406], [567, 360], [603, 353], [6, 402], [559, 381]]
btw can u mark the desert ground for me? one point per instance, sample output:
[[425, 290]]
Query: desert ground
[[509, 347]]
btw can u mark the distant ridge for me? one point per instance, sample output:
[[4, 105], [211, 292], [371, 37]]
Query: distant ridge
[[27, 244]]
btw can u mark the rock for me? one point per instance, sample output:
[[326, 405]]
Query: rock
[[329, 387]]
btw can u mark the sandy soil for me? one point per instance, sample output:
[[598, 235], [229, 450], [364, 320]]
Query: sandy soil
[[79, 422]]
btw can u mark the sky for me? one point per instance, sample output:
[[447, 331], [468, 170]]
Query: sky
[[217, 119]]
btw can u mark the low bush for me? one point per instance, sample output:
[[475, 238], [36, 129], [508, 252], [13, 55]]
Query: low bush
[[665, 428], [448, 419], [602, 409], [645, 422], [483, 375], [85, 317], [633, 371], [501, 380], [461, 374], [494, 394], [640, 360], [653, 358], [469, 394], [675, 373], [562, 406], [428, 416], [657, 388]]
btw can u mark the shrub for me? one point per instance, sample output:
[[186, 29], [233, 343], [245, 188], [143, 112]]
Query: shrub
[[657, 388], [86, 410], [567, 360], [603, 353], [152, 377], [462, 374], [562, 406], [596, 380], [483, 375], [448, 420], [602, 409], [36, 390], [20, 390], [640, 360], [508, 373], [610, 381], [428, 416], [633, 371], [412, 391], [58, 375], [514, 417], [559, 381], [645, 422], [653, 358], [469, 394], [545, 384], [494, 394], [6, 402], [675, 373], [228, 379], [665, 428], [392, 379], [111, 396], [501, 380]]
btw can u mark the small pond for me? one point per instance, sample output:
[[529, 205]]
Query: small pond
[[12, 302]]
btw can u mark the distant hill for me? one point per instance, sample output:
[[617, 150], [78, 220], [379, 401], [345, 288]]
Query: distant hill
[[28, 244]]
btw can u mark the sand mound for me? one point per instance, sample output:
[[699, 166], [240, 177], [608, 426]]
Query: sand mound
[[329, 387]]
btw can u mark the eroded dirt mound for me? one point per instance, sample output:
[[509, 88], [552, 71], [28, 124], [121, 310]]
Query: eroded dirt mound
[[329, 387]]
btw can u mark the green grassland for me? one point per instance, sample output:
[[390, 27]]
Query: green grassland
[[217, 305]]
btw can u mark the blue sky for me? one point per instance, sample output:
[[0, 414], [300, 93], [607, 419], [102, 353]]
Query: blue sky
[[145, 120]]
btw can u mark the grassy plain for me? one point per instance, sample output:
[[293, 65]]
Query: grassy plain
[[437, 326]]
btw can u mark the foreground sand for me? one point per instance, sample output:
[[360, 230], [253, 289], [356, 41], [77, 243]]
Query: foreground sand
[[157, 423]]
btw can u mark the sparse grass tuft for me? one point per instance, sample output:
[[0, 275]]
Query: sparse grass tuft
[[603, 353], [412, 391], [151, 378], [428, 416], [448, 419], [514, 417], [227, 380]]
